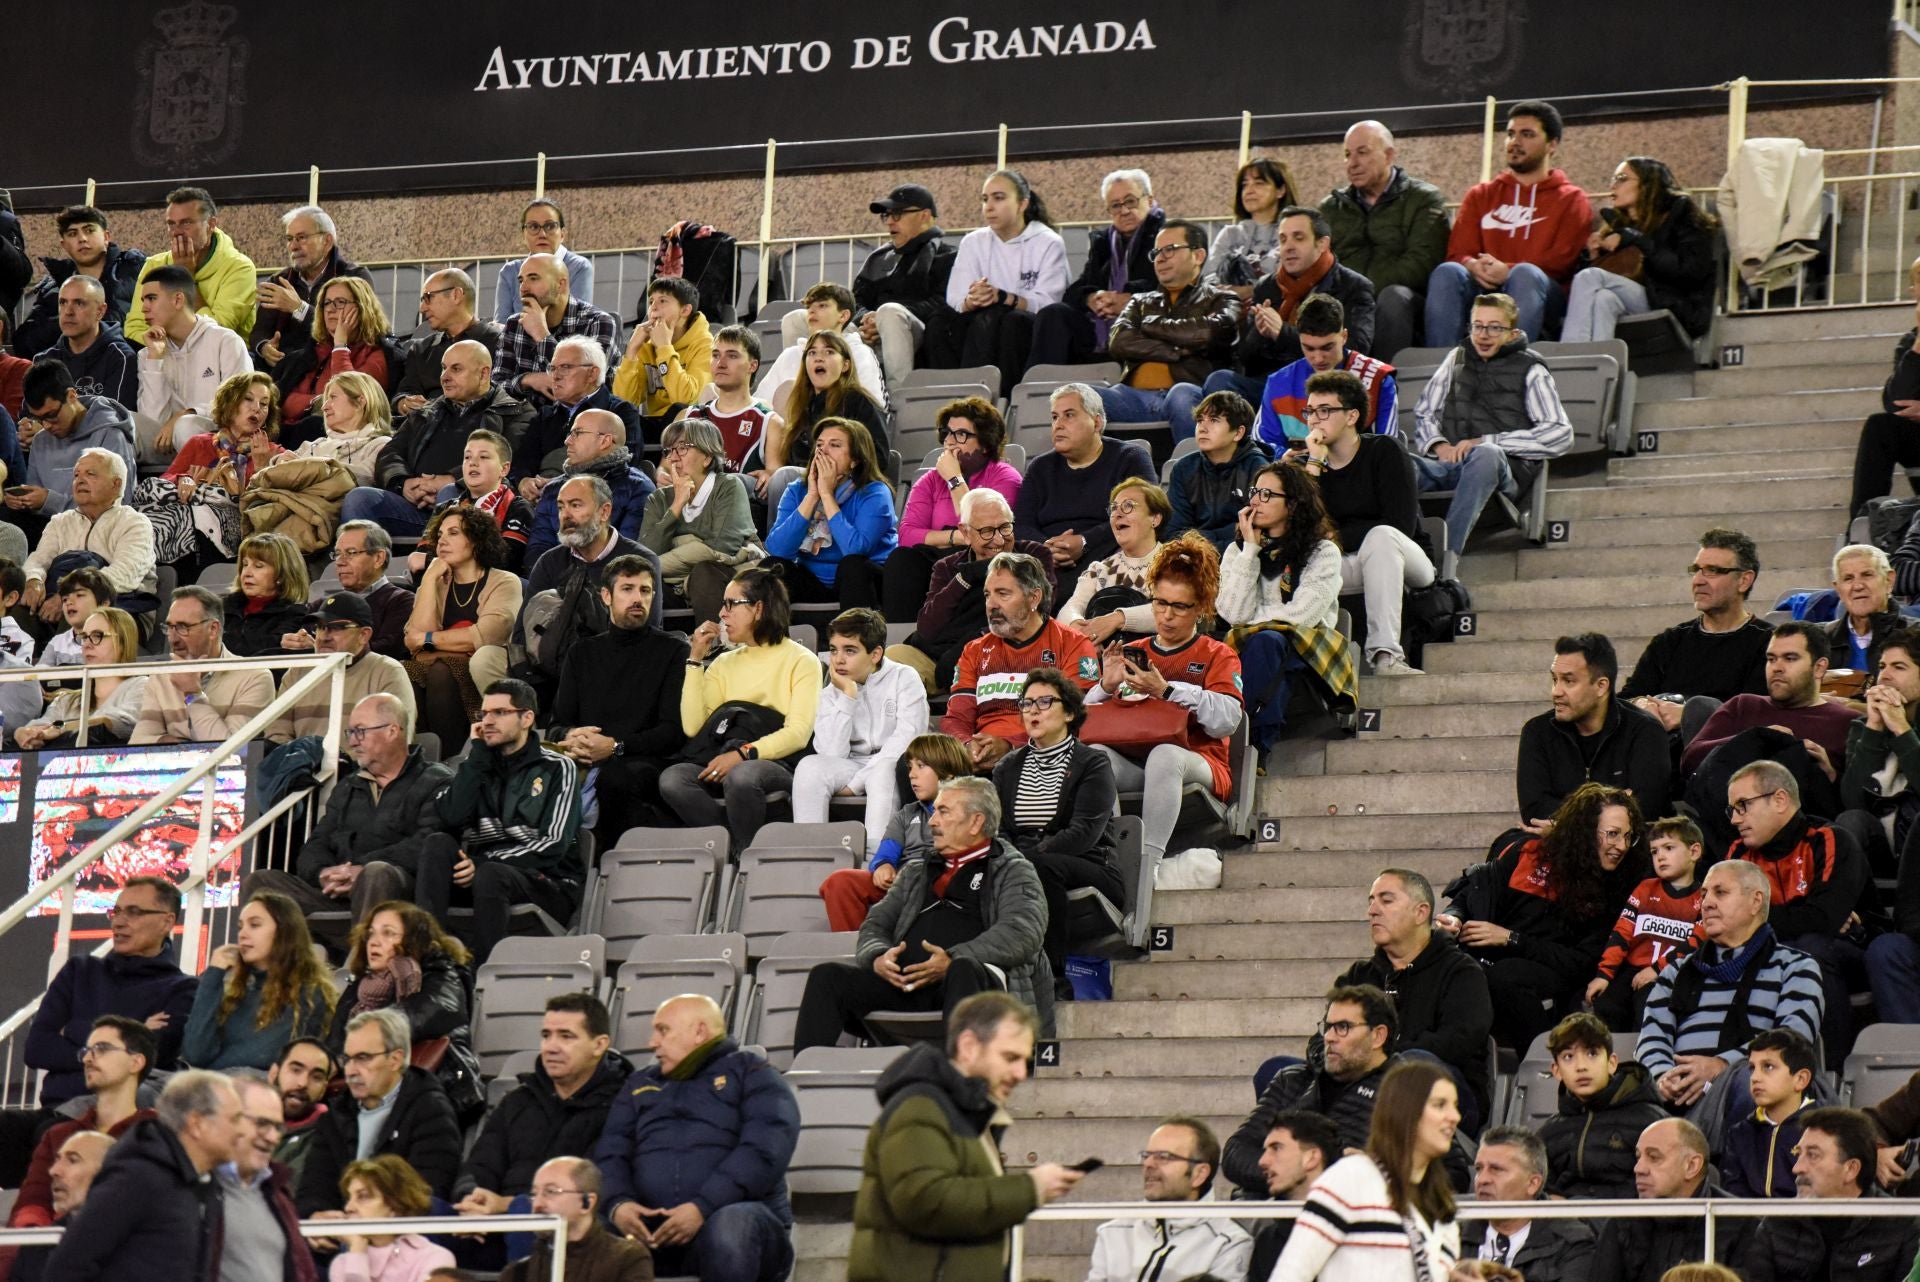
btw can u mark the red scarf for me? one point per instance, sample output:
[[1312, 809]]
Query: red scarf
[[1294, 289], [496, 503], [957, 862]]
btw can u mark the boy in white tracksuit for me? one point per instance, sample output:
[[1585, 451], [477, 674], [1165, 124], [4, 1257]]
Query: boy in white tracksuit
[[869, 711]]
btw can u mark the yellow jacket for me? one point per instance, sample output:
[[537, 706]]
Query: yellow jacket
[[229, 285], [689, 368]]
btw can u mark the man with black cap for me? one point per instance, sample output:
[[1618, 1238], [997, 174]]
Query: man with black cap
[[343, 624], [903, 285]]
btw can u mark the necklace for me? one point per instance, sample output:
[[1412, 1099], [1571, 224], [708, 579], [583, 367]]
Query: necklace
[[453, 589]]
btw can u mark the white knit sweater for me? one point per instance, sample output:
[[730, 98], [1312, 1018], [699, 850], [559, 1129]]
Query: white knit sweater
[[1245, 597], [1348, 1231]]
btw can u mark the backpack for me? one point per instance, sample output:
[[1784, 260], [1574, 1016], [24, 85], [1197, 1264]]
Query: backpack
[[1431, 612]]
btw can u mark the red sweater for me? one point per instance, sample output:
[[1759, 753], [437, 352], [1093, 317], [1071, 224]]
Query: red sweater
[[1826, 723], [1546, 224], [368, 358]]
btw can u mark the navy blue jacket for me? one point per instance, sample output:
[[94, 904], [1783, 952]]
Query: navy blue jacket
[[150, 1215], [722, 1135], [89, 987], [552, 421], [631, 490]]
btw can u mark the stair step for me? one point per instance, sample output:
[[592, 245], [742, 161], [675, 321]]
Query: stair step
[[1558, 562], [1800, 324], [1820, 405], [1815, 353], [1689, 498], [1447, 720], [1657, 585], [1292, 904], [1252, 869], [1474, 654], [1168, 981], [1546, 624], [1865, 366], [1215, 942], [1363, 833], [1097, 1057], [1444, 793], [1454, 687], [1147, 1095], [1213, 1017], [1370, 754], [1675, 532], [1660, 467]]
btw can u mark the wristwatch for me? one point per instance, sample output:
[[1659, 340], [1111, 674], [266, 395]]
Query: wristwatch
[[955, 482], [748, 752]]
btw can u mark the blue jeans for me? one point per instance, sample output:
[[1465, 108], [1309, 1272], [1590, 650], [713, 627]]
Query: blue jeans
[[1252, 387], [1473, 482], [740, 1242], [1268, 661], [385, 508], [1451, 291], [1135, 405], [1893, 972]]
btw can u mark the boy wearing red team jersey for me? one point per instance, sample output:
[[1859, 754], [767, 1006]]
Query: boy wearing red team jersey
[[1662, 916]]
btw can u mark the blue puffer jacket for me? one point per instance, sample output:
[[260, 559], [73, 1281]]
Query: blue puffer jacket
[[718, 1134]]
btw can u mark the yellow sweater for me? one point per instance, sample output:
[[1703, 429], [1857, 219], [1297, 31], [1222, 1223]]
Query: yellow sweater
[[781, 676]]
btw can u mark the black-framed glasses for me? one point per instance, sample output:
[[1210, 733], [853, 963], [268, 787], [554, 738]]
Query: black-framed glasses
[[1155, 254], [356, 733], [993, 532], [94, 638], [1713, 571], [960, 434], [1342, 1027], [181, 629], [1493, 331], [1321, 413], [1738, 809], [1178, 607], [545, 229], [428, 295], [1261, 494], [1037, 703], [333, 304], [1161, 1155], [494, 714], [895, 215], [734, 603], [1123, 206], [94, 1050]]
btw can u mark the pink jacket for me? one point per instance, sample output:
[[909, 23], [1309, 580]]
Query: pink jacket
[[930, 507], [407, 1258]]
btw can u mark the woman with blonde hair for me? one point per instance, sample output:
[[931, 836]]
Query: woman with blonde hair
[[358, 420], [1111, 597], [108, 635], [350, 332], [194, 506], [269, 597]]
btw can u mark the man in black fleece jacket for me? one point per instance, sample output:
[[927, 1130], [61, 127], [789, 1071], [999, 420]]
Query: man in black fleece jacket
[[1590, 737], [1063, 498]]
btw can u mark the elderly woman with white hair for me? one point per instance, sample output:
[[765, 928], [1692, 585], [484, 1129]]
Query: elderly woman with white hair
[[1064, 497], [1863, 578], [1119, 265], [698, 520]]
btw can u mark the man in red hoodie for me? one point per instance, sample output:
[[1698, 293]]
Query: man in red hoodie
[[1519, 234]]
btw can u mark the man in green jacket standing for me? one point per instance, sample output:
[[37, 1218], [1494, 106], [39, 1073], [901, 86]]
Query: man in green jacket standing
[[934, 1200], [1392, 229]]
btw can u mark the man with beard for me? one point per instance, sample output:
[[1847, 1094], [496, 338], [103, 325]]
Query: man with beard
[[596, 446], [628, 729], [546, 315], [302, 1075]]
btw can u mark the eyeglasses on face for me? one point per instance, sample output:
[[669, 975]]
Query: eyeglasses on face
[[132, 913], [1738, 809], [264, 1125], [301, 237], [1168, 251], [1714, 571], [356, 733], [1177, 607], [94, 638], [495, 714], [734, 603], [428, 295], [992, 532], [1321, 413], [341, 554], [1126, 205], [1036, 703], [1342, 1027], [551, 1191], [365, 1058], [1125, 507], [337, 304], [95, 1050], [565, 367], [1490, 329], [1261, 494], [544, 229], [181, 629], [1161, 1155], [960, 434]]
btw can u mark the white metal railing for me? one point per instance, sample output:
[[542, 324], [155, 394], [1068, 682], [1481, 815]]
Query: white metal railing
[[16, 1086], [424, 1225], [1709, 1211]]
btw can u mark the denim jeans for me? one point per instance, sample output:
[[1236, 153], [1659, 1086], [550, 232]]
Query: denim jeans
[[385, 508], [1253, 387], [1893, 972], [1596, 302], [1473, 482], [1135, 405], [740, 1242], [1451, 291]]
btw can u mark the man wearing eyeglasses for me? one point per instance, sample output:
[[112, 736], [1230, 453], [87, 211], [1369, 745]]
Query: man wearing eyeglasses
[[140, 979], [1181, 1158], [115, 1062], [1692, 668], [343, 624], [1171, 338], [597, 446], [365, 849], [260, 1229], [569, 1187], [1119, 265], [192, 705], [903, 284], [1488, 419], [544, 229], [447, 303], [579, 373], [284, 319]]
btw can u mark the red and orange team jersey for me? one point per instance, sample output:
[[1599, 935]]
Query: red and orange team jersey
[[988, 679]]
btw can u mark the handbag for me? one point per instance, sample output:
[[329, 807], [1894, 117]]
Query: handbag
[[1135, 727]]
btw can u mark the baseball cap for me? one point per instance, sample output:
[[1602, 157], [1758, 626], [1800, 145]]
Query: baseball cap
[[342, 607], [908, 197]]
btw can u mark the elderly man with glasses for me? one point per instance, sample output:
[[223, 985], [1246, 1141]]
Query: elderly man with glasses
[[342, 623], [1172, 338], [361, 553], [260, 1231], [192, 705], [569, 1187], [579, 373], [283, 318], [1119, 266], [365, 849]]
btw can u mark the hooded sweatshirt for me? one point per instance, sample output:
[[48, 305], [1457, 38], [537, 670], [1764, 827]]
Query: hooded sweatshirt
[[1032, 265], [1545, 223], [106, 425], [191, 371]]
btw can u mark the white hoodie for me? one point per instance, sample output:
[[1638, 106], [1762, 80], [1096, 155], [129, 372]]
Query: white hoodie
[[1032, 265], [778, 380], [187, 377], [876, 728]]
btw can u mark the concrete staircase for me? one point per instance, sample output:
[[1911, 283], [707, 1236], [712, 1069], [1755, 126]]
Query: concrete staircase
[[1767, 447]]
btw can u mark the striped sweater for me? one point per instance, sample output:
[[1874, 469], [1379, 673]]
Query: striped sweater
[[1348, 1231], [1786, 994]]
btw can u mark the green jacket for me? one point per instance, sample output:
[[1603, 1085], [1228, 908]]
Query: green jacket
[[933, 1201], [1397, 242]]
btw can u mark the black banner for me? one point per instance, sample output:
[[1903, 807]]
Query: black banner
[[387, 96]]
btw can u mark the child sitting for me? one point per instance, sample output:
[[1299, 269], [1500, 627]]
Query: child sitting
[[1604, 1105], [82, 592], [1662, 915], [932, 759], [1757, 1157]]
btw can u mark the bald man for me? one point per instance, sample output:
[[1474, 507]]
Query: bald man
[[1391, 228], [74, 1165], [569, 1187], [596, 445], [426, 452], [1671, 1161], [547, 314], [694, 1157], [102, 361]]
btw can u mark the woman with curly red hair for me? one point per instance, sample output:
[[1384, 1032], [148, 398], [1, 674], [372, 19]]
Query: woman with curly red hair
[[1184, 666]]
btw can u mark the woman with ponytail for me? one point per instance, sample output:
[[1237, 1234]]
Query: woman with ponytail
[[1003, 274]]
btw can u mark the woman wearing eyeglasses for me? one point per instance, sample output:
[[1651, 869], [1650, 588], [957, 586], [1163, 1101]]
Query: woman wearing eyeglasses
[[700, 519], [1181, 665], [350, 332], [1057, 796], [1111, 595], [973, 438], [466, 600], [259, 992], [1280, 589], [107, 636]]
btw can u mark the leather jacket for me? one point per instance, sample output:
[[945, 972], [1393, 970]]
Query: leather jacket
[[1193, 333]]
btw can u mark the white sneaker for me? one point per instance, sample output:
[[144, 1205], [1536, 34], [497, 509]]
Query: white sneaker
[[1392, 665]]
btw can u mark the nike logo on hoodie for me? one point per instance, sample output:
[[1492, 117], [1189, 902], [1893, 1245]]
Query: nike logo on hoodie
[[1514, 216]]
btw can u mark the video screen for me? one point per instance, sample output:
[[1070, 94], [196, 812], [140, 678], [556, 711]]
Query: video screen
[[78, 797]]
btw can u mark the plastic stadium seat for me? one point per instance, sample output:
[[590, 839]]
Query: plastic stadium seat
[[218, 577], [834, 1089], [916, 407], [510, 991], [503, 1084], [666, 887], [641, 986], [1535, 1095], [1180, 450], [851, 837], [1094, 372], [1884, 1058], [772, 1003], [1123, 927], [775, 891], [1595, 387]]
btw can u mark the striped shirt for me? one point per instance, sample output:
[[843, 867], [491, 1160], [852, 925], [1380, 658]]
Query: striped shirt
[[1547, 433], [1348, 1231], [1043, 776], [1786, 994]]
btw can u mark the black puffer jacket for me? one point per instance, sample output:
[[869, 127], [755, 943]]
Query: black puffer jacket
[[1348, 1105], [1208, 496], [913, 276], [533, 1125], [432, 441], [358, 829], [1590, 1143], [1839, 1249], [150, 1215], [422, 1129], [1639, 1250], [1094, 276], [1444, 1006], [442, 1008]]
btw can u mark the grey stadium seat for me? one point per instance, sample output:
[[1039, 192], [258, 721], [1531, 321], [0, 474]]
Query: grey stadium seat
[[662, 890], [1885, 1057], [510, 991], [502, 1084], [834, 1089], [775, 891], [771, 1004]]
